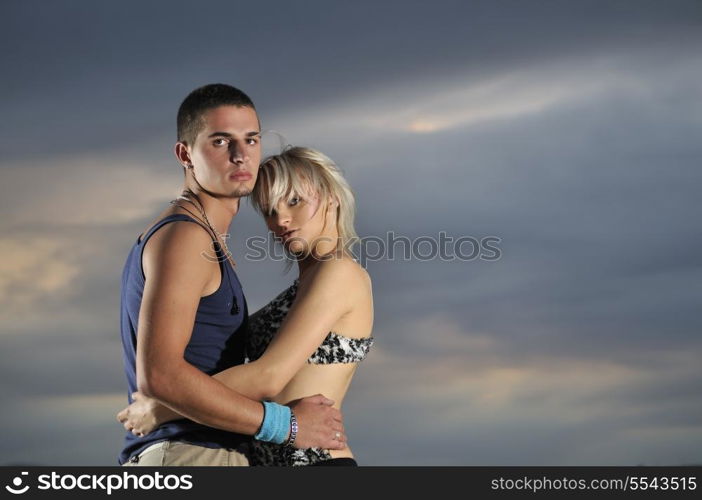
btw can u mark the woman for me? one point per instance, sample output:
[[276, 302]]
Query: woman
[[309, 339]]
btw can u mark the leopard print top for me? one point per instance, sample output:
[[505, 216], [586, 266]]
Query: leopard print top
[[264, 324], [335, 348]]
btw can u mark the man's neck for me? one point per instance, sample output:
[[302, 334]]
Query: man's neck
[[220, 211]]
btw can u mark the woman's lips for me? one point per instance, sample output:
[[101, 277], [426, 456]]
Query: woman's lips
[[287, 235]]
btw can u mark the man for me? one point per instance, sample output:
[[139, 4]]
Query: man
[[183, 313]]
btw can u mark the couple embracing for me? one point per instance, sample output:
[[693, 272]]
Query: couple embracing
[[186, 329]]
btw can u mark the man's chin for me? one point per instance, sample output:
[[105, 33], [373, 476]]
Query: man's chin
[[241, 192]]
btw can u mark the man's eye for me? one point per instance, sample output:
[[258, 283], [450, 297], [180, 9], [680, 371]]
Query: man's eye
[[252, 141], [219, 142]]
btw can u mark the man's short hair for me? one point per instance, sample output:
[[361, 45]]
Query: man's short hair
[[202, 99]]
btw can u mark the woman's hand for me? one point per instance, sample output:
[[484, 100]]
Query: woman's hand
[[144, 415]]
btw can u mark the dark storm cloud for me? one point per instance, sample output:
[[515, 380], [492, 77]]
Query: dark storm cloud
[[596, 236], [96, 76], [66, 363], [568, 129]]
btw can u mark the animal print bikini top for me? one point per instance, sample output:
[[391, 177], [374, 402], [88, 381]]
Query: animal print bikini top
[[335, 348]]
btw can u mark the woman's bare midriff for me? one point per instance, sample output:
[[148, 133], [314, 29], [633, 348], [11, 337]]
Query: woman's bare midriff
[[330, 380]]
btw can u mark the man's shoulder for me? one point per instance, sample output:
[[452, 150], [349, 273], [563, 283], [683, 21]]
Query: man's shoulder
[[178, 243], [180, 234]]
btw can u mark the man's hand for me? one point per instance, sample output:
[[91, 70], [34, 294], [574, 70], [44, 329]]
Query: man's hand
[[319, 425], [144, 415]]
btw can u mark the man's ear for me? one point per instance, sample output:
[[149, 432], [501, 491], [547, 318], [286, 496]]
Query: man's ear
[[183, 154]]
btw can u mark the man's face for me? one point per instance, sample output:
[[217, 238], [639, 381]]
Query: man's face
[[227, 151]]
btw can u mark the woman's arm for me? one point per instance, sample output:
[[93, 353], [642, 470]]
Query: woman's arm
[[318, 305]]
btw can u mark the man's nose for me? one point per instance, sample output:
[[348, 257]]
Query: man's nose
[[237, 152]]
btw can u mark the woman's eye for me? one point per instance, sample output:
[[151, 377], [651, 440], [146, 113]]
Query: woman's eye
[[294, 201]]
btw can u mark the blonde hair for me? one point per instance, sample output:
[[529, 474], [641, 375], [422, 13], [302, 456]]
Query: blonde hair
[[299, 171]]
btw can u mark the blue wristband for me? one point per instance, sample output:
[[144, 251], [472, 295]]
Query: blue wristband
[[276, 423]]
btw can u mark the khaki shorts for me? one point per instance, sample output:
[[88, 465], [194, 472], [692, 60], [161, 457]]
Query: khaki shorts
[[168, 453]]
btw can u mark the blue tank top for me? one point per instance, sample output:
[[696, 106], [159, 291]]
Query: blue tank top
[[217, 343]]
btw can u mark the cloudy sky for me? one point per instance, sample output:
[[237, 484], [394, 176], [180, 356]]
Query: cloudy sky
[[568, 130]]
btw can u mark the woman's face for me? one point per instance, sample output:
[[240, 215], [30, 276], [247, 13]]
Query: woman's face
[[300, 222]]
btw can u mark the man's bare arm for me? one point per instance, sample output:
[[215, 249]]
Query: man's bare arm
[[176, 276]]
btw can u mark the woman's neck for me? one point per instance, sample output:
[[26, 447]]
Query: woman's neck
[[327, 248]]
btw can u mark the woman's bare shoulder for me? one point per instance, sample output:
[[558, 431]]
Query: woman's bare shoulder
[[344, 269], [340, 277]]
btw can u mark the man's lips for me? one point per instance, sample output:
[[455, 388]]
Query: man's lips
[[240, 176]]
